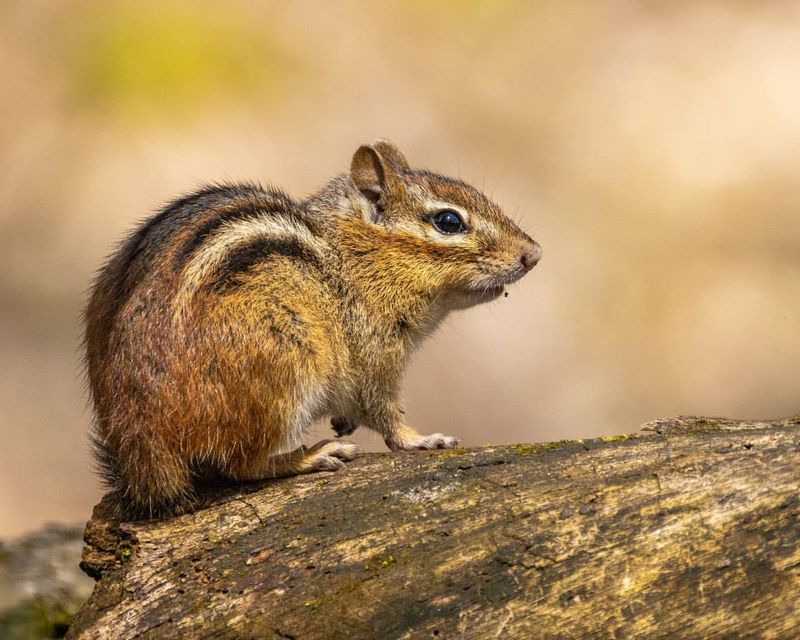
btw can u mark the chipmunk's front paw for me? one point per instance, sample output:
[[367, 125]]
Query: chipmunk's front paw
[[433, 441], [329, 455], [343, 426]]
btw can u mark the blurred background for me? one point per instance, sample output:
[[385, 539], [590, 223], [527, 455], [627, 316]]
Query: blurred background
[[651, 148]]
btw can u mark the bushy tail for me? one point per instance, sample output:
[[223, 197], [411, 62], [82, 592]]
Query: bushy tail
[[146, 479], [105, 463]]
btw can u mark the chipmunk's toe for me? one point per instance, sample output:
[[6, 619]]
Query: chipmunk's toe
[[433, 441], [330, 455], [344, 450]]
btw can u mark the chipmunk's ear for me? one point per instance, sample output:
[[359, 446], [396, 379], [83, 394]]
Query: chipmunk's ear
[[392, 155], [374, 172], [369, 172]]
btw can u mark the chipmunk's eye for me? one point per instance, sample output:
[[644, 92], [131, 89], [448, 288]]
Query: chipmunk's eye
[[448, 221]]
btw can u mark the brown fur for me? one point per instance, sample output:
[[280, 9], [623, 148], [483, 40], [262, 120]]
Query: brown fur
[[230, 321]]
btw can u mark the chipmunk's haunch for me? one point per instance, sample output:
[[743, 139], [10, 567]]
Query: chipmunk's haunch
[[233, 319]]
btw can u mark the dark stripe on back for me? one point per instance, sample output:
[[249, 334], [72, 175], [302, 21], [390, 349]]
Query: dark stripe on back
[[134, 260], [156, 231], [243, 258], [275, 204]]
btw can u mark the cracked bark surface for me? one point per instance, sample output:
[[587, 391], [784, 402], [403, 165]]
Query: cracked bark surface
[[691, 530]]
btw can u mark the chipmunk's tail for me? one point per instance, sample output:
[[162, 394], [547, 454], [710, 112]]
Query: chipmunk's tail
[[105, 463], [146, 479]]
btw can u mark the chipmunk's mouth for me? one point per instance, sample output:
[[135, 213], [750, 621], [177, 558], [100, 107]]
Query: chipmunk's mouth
[[489, 289]]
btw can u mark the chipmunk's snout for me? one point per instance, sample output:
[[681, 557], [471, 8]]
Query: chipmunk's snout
[[530, 257]]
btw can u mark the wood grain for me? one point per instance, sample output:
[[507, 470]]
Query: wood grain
[[688, 531]]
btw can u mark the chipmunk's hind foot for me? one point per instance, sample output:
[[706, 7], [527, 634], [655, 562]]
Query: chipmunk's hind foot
[[328, 455]]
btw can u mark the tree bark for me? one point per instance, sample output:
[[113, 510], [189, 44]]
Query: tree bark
[[688, 531]]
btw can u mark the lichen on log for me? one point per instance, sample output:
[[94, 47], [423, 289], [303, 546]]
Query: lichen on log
[[689, 531]]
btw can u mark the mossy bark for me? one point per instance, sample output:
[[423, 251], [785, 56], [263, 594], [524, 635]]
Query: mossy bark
[[689, 531]]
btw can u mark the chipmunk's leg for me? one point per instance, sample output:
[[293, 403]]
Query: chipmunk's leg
[[343, 426], [398, 436], [326, 455]]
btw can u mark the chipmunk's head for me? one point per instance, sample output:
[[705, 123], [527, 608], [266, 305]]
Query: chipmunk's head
[[458, 241]]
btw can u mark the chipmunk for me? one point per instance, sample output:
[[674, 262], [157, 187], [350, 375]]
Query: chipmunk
[[236, 317]]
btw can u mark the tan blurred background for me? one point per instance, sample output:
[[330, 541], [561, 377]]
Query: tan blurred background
[[652, 148]]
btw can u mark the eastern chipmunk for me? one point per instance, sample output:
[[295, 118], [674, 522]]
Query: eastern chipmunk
[[231, 320]]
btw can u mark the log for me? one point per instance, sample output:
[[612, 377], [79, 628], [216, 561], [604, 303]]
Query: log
[[689, 530]]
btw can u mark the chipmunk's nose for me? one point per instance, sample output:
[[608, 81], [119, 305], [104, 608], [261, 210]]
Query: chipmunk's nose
[[531, 256]]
